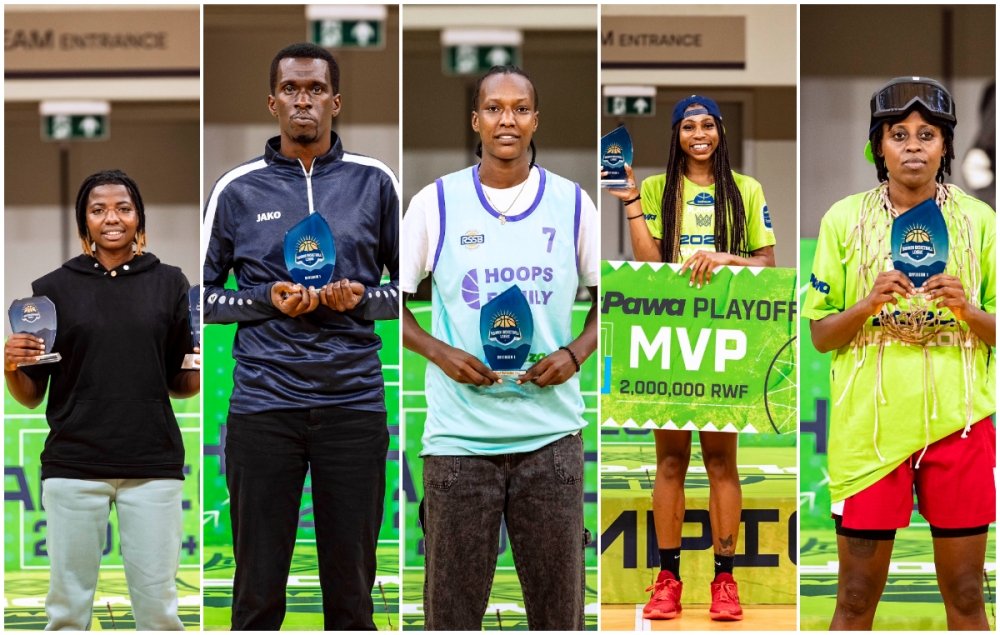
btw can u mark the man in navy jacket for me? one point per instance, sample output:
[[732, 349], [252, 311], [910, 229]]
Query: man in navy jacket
[[308, 391]]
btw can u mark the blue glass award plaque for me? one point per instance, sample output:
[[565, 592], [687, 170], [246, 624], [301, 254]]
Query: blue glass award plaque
[[310, 253], [920, 242], [193, 360], [616, 151], [506, 328], [36, 316]]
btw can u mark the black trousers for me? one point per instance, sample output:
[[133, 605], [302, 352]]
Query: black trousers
[[267, 457]]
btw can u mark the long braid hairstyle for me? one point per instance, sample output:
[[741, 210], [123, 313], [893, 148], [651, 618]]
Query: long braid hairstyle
[[509, 69], [730, 213]]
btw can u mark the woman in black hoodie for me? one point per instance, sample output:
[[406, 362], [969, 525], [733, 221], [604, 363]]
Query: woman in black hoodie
[[123, 333]]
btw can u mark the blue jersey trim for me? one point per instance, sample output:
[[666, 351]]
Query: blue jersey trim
[[437, 253], [576, 228], [493, 212]]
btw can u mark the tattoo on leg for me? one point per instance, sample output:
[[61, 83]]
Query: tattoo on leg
[[862, 547], [726, 546]]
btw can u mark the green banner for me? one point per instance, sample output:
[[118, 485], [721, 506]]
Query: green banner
[[679, 357]]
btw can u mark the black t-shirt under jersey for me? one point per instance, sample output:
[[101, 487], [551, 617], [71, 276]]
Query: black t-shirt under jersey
[[122, 335]]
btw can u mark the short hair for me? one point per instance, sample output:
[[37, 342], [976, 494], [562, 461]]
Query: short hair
[[509, 69], [946, 131], [107, 177], [305, 50]]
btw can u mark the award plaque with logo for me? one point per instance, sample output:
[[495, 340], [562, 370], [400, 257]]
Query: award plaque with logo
[[192, 361], [920, 242], [36, 316], [310, 253], [616, 151], [506, 328]]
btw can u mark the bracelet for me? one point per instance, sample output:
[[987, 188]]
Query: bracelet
[[575, 360], [635, 217], [633, 200]]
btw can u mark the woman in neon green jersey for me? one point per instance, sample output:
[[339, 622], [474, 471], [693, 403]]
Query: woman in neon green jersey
[[705, 215]]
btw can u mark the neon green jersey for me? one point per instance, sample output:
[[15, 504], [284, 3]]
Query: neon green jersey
[[698, 225], [853, 462]]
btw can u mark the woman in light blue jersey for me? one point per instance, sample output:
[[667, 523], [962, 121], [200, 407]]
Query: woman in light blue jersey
[[506, 243]]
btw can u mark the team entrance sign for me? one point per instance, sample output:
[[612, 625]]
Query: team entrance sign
[[718, 358]]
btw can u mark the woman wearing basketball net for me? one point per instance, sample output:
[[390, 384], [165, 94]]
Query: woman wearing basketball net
[[911, 380], [704, 215]]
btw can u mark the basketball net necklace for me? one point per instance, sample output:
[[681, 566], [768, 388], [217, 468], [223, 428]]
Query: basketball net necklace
[[503, 214]]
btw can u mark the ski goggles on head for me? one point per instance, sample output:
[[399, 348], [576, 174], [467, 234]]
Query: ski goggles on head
[[900, 95]]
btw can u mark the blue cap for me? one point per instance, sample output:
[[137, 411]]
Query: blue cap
[[711, 108]]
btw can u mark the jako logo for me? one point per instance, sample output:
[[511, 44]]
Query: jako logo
[[268, 216], [819, 285], [470, 289], [767, 218]]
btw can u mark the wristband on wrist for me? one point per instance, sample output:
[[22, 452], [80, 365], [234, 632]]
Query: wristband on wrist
[[635, 217], [575, 360], [633, 200]]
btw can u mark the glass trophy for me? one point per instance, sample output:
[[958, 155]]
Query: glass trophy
[[506, 328], [920, 242], [616, 151], [36, 316], [192, 361], [310, 253]]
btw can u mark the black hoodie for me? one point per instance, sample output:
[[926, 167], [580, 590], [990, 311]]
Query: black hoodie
[[122, 335]]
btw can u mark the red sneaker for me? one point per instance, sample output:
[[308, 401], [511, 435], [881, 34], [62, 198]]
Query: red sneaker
[[725, 599], [665, 603]]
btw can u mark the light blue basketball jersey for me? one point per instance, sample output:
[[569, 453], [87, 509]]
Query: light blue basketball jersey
[[476, 259]]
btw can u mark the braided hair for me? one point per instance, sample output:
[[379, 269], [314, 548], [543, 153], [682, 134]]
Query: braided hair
[[109, 177], [730, 213], [509, 69], [946, 131]]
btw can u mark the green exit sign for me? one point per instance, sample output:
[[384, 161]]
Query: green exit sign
[[467, 59], [75, 121], [475, 51], [633, 101], [358, 27], [362, 34]]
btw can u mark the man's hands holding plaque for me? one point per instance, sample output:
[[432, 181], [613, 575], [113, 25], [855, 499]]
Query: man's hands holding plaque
[[294, 299]]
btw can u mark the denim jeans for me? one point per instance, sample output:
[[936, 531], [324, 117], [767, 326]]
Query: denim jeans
[[267, 457], [540, 495]]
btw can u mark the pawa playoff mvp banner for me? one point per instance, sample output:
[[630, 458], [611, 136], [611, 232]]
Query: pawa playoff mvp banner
[[679, 357], [721, 357]]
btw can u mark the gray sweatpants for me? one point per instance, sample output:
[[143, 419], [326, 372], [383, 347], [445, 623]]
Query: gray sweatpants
[[150, 530]]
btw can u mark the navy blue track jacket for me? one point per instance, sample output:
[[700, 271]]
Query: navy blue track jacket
[[322, 358]]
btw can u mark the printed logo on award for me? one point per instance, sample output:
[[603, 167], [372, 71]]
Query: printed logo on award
[[917, 243], [472, 239], [505, 329], [470, 289], [613, 156], [307, 252], [30, 313]]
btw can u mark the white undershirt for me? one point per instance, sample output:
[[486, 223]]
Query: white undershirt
[[422, 227]]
